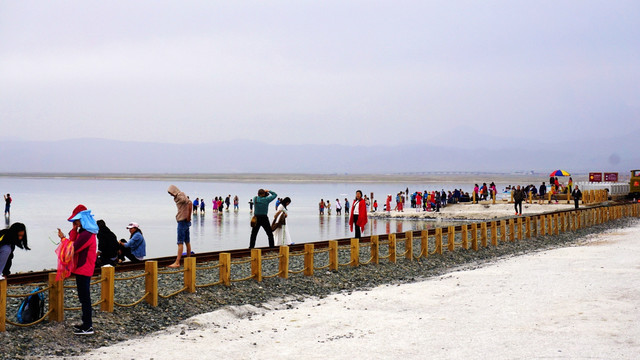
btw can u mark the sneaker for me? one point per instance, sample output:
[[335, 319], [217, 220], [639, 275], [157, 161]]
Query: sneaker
[[88, 331]]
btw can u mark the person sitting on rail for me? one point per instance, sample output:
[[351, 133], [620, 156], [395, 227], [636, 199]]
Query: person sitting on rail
[[136, 248], [107, 245]]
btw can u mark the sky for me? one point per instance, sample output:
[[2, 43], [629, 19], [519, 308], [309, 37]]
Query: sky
[[318, 72]]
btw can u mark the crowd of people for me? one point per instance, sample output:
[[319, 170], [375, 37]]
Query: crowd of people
[[219, 204]]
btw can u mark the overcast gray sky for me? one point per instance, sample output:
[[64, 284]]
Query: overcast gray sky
[[323, 72]]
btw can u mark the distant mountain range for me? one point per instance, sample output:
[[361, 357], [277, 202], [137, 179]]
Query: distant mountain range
[[454, 154]]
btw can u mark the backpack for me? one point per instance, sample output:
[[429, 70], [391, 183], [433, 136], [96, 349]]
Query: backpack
[[31, 308]]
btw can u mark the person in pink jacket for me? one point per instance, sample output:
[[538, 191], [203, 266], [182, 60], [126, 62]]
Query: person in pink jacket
[[83, 236]]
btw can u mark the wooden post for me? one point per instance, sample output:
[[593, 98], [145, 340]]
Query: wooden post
[[107, 275], [224, 260], [355, 252], [439, 241], [424, 243], [3, 304], [512, 230], [474, 236], [451, 235], [474, 197], [503, 230], [494, 196], [283, 264], [190, 274], [151, 282], [408, 245], [308, 259], [56, 298], [557, 227], [333, 255], [534, 226], [519, 226], [549, 225], [256, 264], [465, 236], [549, 197], [527, 227], [483, 234], [543, 225], [494, 233], [375, 249], [530, 197], [511, 201], [392, 248]]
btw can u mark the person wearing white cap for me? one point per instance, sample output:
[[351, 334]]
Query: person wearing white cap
[[135, 249]]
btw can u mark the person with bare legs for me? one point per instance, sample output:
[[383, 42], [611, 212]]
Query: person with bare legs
[[184, 222]]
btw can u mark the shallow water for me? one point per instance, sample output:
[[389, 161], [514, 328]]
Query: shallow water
[[43, 205]]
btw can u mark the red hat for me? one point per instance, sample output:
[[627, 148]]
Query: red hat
[[78, 209]]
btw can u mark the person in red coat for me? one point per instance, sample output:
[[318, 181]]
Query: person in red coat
[[358, 214]]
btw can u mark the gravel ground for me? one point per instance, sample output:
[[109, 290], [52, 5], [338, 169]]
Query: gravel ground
[[124, 323]]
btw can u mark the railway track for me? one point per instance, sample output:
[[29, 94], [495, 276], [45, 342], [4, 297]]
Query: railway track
[[42, 276]]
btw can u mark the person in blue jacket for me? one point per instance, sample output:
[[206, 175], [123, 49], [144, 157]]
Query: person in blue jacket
[[135, 249]]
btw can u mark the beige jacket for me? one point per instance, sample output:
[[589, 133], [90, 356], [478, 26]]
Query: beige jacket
[[182, 203]]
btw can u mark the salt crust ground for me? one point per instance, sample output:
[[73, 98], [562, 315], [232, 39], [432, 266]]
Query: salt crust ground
[[467, 211], [576, 302]]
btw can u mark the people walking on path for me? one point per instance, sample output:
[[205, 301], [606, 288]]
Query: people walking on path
[[358, 214], [183, 217], [261, 211]]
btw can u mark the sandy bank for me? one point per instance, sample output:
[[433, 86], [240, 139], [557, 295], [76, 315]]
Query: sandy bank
[[575, 302], [468, 211]]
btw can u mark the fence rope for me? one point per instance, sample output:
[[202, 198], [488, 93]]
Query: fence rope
[[271, 276], [25, 295], [209, 267], [346, 264], [98, 281], [22, 286], [297, 271], [243, 279], [241, 262], [80, 307], [134, 303], [321, 267], [169, 272], [292, 254], [130, 277], [273, 257], [209, 284], [173, 293], [31, 323], [320, 251], [367, 262], [384, 257]]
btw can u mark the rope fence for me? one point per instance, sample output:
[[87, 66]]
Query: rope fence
[[470, 236]]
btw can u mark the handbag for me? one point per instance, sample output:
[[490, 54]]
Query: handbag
[[254, 221]]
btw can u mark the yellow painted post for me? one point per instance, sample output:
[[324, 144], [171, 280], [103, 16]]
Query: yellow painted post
[[451, 233], [483, 234], [494, 233], [494, 197], [225, 269], [256, 264], [408, 245], [355, 252], [151, 282], [512, 229], [283, 264], [534, 226], [557, 224], [375, 249], [333, 255], [527, 227], [511, 201], [474, 236], [465, 236], [439, 241], [56, 298], [3, 304], [519, 228], [392, 248], [424, 243], [543, 225], [308, 259], [190, 274], [474, 197], [107, 286], [549, 193], [530, 197], [549, 224], [503, 230]]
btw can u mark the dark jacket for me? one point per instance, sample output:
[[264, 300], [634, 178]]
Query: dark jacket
[[577, 194], [519, 195], [107, 242]]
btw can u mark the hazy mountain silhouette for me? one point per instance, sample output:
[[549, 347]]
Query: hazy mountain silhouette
[[495, 155]]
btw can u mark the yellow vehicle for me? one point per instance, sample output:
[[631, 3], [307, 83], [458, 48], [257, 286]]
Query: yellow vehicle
[[634, 184]]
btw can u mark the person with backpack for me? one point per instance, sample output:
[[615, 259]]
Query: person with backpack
[[83, 235], [15, 235]]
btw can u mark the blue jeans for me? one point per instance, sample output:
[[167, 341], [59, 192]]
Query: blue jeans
[[83, 284], [183, 232]]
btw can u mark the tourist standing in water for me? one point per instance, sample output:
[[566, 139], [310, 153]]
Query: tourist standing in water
[[261, 203], [338, 207], [279, 226], [358, 214], [183, 217], [346, 206], [7, 205]]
